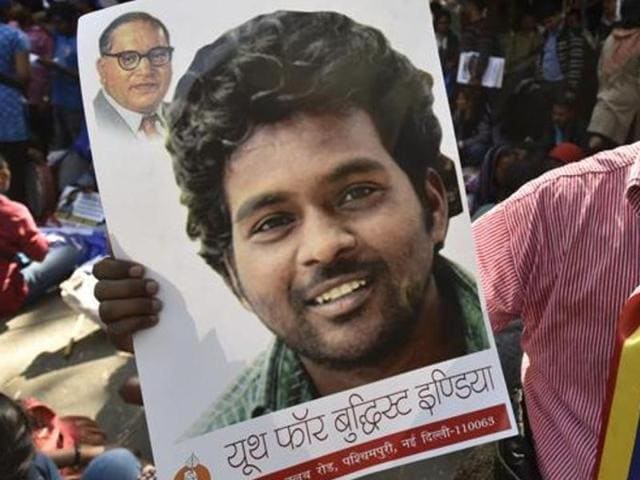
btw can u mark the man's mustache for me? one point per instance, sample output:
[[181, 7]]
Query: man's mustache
[[368, 268]]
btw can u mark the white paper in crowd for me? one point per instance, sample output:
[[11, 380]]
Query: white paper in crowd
[[205, 338], [77, 208], [493, 75]]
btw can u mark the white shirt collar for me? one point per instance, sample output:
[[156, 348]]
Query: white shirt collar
[[134, 119]]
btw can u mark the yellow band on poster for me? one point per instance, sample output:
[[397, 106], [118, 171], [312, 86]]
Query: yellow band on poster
[[622, 428]]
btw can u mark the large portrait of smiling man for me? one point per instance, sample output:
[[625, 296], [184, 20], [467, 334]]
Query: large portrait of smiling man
[[307, 154]]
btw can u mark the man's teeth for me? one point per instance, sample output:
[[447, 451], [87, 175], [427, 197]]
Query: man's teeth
[[340, 291]]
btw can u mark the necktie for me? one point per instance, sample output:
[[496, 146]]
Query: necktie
[[148, 126]]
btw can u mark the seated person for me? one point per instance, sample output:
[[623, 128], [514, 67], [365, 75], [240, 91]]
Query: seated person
[[564, 125], [20, 461], [505, 169], [30, 261], [472, 124], [448, 48]]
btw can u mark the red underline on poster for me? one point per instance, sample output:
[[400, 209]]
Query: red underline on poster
[[429, 436]]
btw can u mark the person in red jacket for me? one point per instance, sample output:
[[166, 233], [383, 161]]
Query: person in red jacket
[[51, 257]]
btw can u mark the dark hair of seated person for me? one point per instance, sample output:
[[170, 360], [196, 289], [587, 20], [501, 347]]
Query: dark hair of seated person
[[16, 447]]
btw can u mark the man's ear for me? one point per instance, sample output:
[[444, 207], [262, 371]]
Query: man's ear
[[233, 281], [5, 180], [100, 68], [437, 203]]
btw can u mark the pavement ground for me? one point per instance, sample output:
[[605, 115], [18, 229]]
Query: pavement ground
[[35, 362]]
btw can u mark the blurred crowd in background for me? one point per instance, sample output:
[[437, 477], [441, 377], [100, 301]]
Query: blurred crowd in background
[[569, 86], [567, 89], [532, 85]]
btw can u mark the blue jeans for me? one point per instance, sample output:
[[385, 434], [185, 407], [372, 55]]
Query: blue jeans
[[56, 267], [117, 464]]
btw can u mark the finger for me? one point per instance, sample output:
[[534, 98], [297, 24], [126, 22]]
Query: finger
[[112, 269], [124, 289], [89, 428], [80, 420], [124, 343], [95, 439], [120, 332], [128, 326], [113, 310]]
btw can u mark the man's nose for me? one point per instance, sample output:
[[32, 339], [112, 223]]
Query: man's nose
[[324, 239], [144, 65]]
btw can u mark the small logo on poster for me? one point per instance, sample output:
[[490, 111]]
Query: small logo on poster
[[192, 470]]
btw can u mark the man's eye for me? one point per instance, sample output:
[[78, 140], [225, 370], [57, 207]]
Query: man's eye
[[357, 192], [129, 57], [271, 223], [158, 54]]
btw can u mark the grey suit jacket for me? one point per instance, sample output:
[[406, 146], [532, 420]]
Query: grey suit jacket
[[108, 118]]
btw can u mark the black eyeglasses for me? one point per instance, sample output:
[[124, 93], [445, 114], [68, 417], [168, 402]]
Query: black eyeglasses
[[130, 59]]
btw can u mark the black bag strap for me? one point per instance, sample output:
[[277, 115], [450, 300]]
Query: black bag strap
[[516, 456]]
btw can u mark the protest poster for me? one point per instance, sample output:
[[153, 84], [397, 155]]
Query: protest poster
[[367, 349]]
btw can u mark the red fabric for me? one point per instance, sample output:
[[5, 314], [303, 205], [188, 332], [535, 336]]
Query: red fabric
[[51, 432], [562, 254], [567, 152], [18, 233]]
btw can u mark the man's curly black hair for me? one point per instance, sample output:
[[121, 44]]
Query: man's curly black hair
[[271, 68]]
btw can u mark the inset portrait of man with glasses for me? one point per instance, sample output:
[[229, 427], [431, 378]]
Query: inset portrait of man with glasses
[[135, 73]]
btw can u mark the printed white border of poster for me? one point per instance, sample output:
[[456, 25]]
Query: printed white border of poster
[[175, 387]]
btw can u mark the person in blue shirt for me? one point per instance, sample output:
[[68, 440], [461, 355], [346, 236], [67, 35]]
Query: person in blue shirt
[[66, 98], [14, 77]]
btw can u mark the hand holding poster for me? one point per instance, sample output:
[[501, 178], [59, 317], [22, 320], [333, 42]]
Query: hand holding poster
[[307, 151]]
